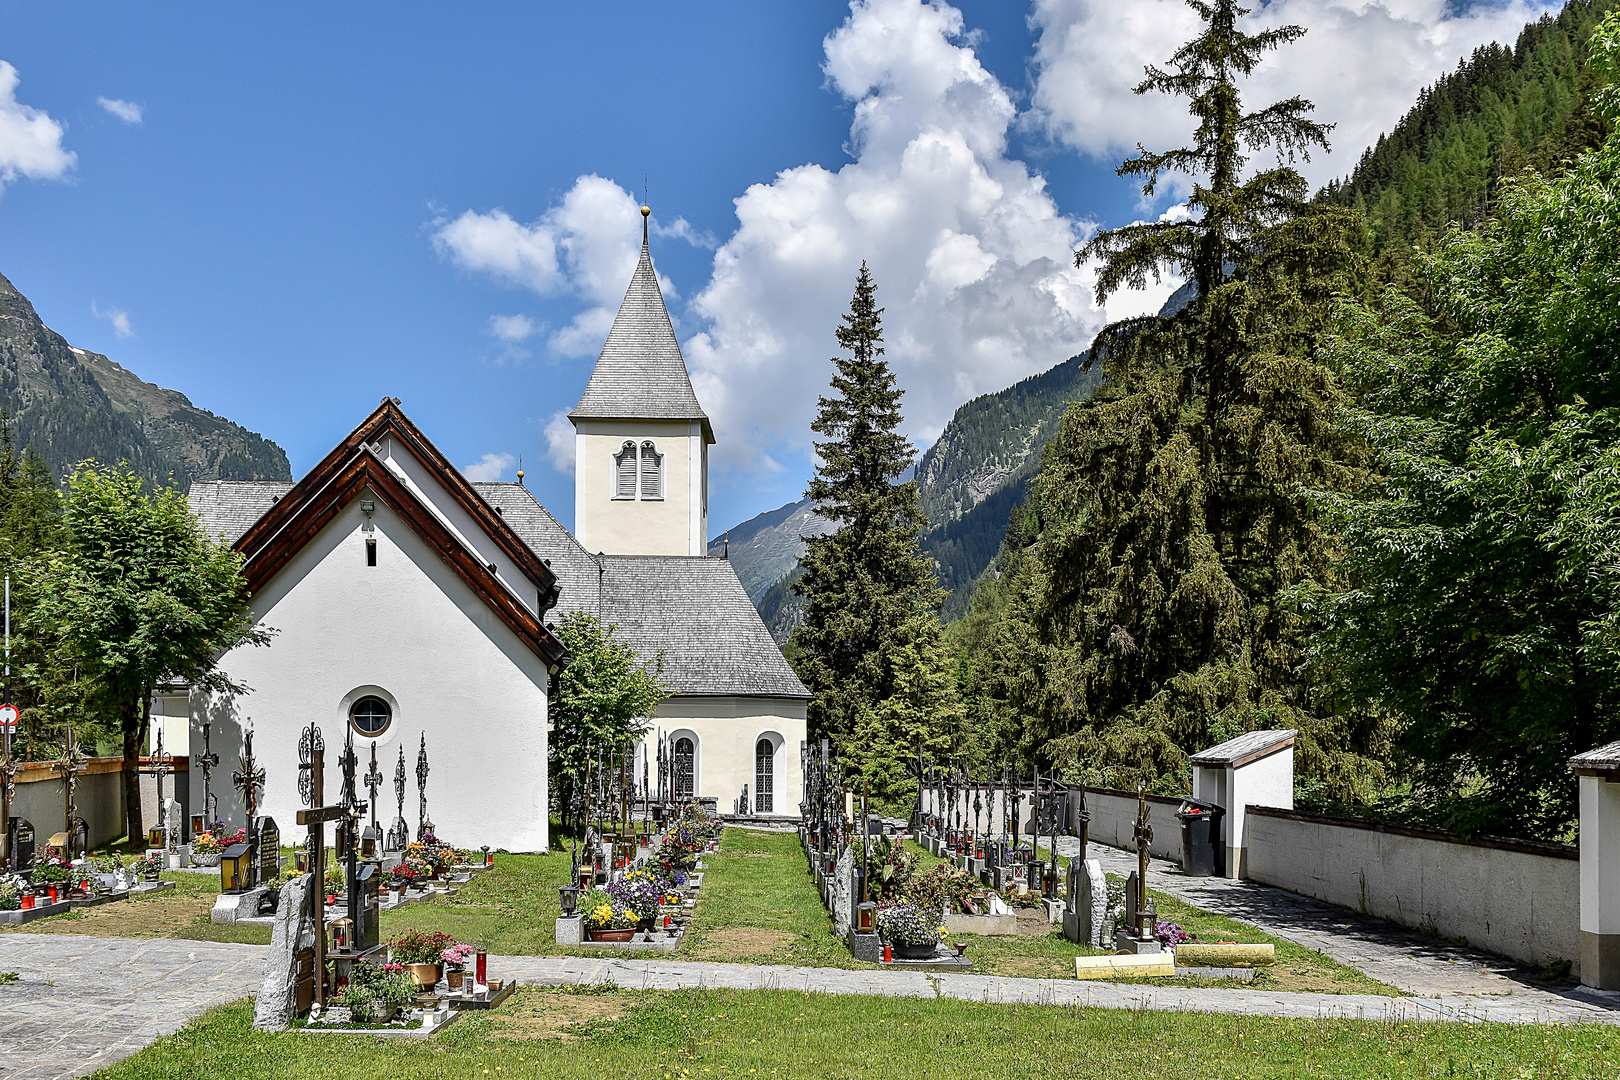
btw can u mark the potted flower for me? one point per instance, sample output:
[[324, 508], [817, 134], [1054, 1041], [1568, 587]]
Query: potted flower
[[421, 954], [147, 867], [640, 893], [51, 875], [10, 894], [455, 959], [608, 919], [376, 991], [913, 931], [206, 849], [421, 871]]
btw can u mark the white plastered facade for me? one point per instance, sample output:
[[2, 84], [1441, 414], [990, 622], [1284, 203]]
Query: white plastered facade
[[411, 631], [674, 521], [726, 732]]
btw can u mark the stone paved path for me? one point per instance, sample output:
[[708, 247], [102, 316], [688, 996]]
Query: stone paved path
[[83, 1003], [1405, 959], [639, 974]]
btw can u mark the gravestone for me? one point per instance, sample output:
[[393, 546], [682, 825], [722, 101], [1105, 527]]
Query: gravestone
[[20, 843], [1085, 914], [171, 826], [266, 840], [1133, 898], [843, 893], [293, 932]]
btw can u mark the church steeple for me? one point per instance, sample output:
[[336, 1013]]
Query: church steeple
[[641, 438], [641, 374]]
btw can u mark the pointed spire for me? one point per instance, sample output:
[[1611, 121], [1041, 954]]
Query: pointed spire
[[641, 374]]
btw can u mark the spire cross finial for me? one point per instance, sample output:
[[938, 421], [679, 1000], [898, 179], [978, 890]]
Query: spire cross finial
[[646, 212]]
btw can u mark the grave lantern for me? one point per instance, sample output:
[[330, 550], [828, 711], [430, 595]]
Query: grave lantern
[[368, 843], [234, 868], [197, 825], [154, 837], [568, 896], [866, 918]]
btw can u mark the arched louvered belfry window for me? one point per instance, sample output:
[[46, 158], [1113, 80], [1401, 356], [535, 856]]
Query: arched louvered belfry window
[[764, 776], [624, 471], [685, 781], [652, 471]]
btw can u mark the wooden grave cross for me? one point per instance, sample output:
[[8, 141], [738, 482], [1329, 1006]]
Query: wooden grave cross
[[71, 765], [311, 786]]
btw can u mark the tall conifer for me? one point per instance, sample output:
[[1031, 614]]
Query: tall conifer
[[870, 630], [1174, 502]]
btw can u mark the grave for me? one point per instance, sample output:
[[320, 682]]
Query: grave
[[20, 844]]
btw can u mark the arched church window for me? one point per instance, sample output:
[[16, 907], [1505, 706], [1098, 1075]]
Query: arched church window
[[652, 471], [370, 715], [685, 786], [764, 776], [624, 471]]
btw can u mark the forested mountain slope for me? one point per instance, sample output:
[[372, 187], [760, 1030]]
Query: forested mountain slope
[[1503, 110], [71, 404]]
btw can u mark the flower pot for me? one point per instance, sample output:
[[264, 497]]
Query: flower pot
[[907, 951], [200, 858], [426, 975], [454, 978], [611, 935]]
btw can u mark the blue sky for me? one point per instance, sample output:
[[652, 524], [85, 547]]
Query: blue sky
[[287, 215]]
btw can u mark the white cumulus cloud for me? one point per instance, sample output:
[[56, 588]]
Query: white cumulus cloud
[[117, 316], [973, 260], [30, 141], [560, 442], [127, 111], [512, 328], [489, 467], [1362, 62], [585, 246]]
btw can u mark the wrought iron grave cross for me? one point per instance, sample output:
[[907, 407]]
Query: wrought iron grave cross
[[206, 762], [249, 780]]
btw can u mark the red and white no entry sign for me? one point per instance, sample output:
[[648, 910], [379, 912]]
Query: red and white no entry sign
[[9, 715]]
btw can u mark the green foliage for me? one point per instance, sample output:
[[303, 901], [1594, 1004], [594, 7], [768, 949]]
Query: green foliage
[[1503, 110], [1483, 604], [868, 648], [602, 700], [138, 594], [1173, 501]]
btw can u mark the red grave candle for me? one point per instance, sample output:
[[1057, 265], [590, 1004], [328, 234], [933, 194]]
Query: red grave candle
[[482, 967]]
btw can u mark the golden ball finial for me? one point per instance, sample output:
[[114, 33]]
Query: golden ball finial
[[646, 211]]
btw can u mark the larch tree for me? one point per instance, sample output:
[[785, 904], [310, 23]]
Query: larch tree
[[869, 647], [1175, 503]]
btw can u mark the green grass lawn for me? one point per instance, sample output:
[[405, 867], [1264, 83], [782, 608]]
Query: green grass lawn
[[181, 912], [715, 1034]]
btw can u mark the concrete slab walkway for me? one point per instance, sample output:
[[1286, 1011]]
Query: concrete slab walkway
[[641, 974], [82, 1003]]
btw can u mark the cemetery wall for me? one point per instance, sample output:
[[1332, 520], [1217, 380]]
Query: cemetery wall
[[1113, 821], [1516, 899], [42, 799]]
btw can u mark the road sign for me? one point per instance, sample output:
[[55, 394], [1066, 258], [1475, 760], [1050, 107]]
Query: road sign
[[9, 715]]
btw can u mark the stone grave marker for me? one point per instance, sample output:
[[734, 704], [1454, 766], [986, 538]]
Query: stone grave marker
[[20, 844], [294, 930], [843, 893], [266, 840]]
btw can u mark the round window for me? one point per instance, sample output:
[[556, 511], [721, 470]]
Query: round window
[[370, 715]]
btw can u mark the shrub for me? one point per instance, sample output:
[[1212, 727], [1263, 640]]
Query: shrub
[[373, 987]]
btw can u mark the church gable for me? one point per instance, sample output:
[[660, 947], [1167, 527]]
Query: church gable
[[296, 516]]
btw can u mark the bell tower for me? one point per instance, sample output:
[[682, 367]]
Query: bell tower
[[641, 440]]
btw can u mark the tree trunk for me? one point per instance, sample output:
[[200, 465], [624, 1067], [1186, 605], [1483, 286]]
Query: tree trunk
[[132, 718]]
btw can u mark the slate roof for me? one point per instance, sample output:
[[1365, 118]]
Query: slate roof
[[692, 607], [641, 374], [229, 508], [694, 610], [1250, 746]]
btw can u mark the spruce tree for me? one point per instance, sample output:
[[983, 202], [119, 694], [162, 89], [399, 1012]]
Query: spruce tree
[[870, 633], [1174, 503]]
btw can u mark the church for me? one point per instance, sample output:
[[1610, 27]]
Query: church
[[415, 610]]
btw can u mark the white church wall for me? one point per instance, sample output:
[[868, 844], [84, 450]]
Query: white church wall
[[413, 628], [427, 488], [727, 730], [612, 526]]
